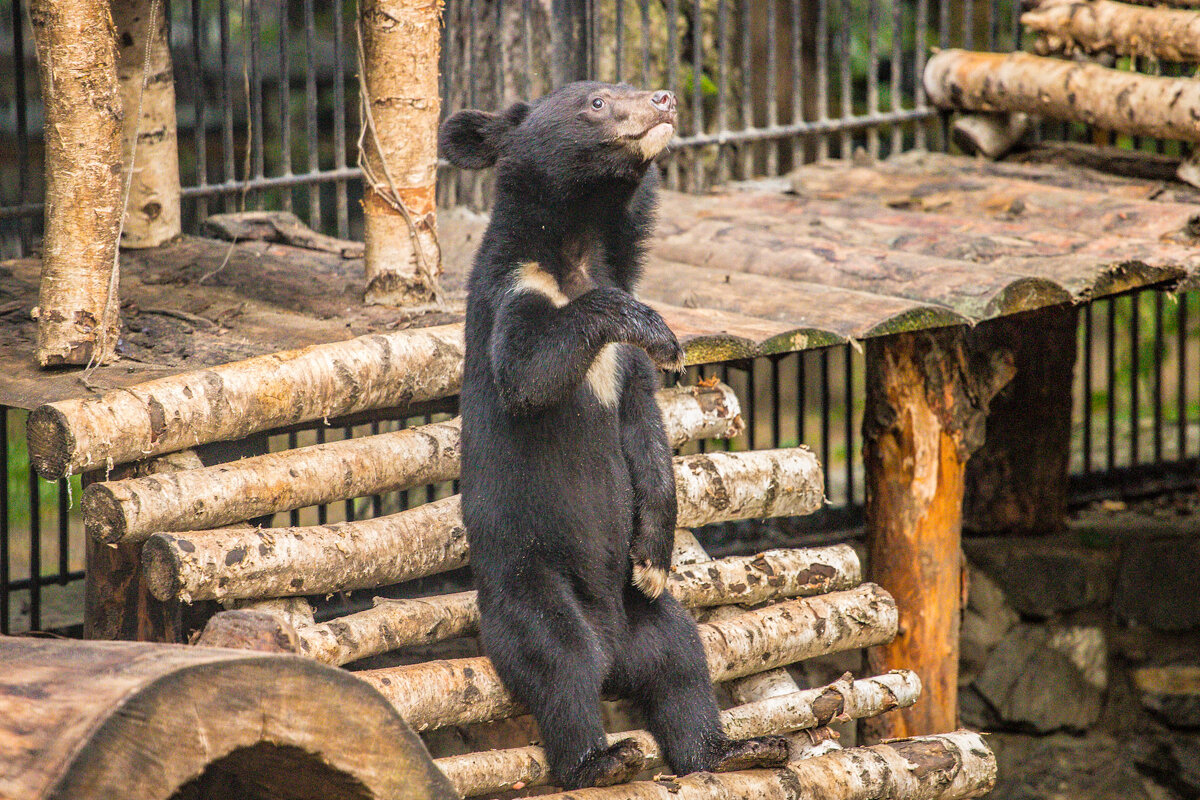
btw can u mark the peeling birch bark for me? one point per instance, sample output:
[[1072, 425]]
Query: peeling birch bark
[[232, 401], [949, 766], [1092, 26], [131, 510], [77, 314], [474, 774], [152, 214], [773, 575], [238, 563], [400, 42], [1108, 98], [439, 693]]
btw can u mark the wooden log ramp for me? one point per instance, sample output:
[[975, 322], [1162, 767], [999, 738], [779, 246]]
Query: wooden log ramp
[[141, 721], [772, 575], [491, 771], [1104, 26], [230, 563], [131, 510], [949, 766], [460, 691], [1068, 90]]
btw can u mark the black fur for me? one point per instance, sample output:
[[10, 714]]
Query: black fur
[[563, 493]]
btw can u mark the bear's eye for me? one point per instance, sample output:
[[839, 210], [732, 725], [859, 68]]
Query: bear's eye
[[597, 103]]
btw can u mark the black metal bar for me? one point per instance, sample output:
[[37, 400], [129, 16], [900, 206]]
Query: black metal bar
[[822, 76], [1111, 376], [35, 553], [1159, 355], [226, 106], [339, 116], [848, 411], [645, 9], [5, 531], [751, 407], [776, 410], [293, 514], [722, 85], [816, 126], [21, 100], [897, 71], [199, 107], [256, 94], [968, 25], [801, 397], [872, 72], [697, 163], [673, 77], [568, 37], [348, 433], [745, 160], [1087, 388], [797, 37], [285, 99], [825, 405], [1181, 345], [311, 131], [922, 25], [323, 509], [64, 530], [1135, 342], [846, 63], [376, 499], [620, 43], [772, 154]]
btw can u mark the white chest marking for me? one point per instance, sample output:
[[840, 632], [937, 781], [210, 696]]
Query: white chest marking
[[604, 376], [532, 278]]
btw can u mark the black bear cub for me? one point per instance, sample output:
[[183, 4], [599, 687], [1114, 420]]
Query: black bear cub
[[567, 484]]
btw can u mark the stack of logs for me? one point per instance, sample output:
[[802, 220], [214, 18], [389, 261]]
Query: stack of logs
[[174, 533], [1004, 90]]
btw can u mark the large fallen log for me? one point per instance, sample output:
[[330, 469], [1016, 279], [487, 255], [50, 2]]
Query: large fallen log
[[77, 311], [1117, 100], [438, 693], [138, 721], [131, 510], [949, 766], [491, 771], [233, 563], [234, 400], [1091, 26], [773, 575]]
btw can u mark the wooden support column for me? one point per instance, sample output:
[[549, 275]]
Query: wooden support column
[[77, 311], [1017, 481], [927, 398]]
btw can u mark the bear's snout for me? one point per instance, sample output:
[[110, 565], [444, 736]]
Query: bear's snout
[[663, 100]]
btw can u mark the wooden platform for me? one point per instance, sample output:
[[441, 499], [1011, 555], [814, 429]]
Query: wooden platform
[[839, 252]]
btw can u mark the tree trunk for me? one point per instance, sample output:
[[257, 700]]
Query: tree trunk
[[142, 721], [152, 209], [1117, 100], [927, 397], [78, 317], [238, 563], [946, 767], [773, 575], [1090, 26], [234, 400], [131, 510], [494, 771], [459, 691], [1017, 481], [398, 148]]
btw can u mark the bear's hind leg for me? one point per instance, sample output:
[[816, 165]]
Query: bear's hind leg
[[663, 669]]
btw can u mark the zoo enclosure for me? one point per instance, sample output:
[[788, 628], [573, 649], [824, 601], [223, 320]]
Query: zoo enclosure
[[762, 85]]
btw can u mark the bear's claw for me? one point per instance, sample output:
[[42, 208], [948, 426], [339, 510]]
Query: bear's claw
[[651, 580]]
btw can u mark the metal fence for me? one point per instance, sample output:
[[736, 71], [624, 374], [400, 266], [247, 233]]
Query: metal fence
[[266, 97]]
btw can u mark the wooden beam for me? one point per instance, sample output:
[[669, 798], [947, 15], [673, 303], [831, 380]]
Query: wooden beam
[[1102, 26], [78, 312], [927, 397]]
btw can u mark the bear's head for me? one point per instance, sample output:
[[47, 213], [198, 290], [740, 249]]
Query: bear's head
[[583, 133]]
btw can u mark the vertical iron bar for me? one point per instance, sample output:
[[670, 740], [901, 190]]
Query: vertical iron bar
[[323, 509], [472, 60], [1087, 389], [993, 26], [897, 73], [801, 397], [376, 499], [776, 416], [293, 514], [310, 113], [1181, 342], [64, 531], [620, 43], [285, 100], [919, 41], [697, 163], [797, 82], [1159, 355], [257, 148], [21, 102], [969, 24], [745, 150], [847, 87], [527, 41], [822, 74], [430, 490], [227, 105], [722, 86], [1111, 377], [825, 404], [5, 505], [873, 74], [848, 410], [645, 8], [199, 104], [772, 146], [339, 115], [35, 554], [1135, 343], [1015, 22], [568, 36], [348, 433], [673, 76]]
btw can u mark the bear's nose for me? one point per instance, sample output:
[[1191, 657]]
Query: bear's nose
[[663, 100]]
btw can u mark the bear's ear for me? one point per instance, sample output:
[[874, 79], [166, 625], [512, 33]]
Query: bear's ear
[[471, 139]]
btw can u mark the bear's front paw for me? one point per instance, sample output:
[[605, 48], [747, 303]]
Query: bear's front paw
[[649, 579], [667, 353], [606, 766]]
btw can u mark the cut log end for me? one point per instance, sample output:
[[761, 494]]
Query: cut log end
[[50, 441], [162, 567], [248, 629]]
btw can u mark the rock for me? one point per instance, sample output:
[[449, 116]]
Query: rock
[[985, 621], [1032, 684], [1173, 693], [1158, 584], [1085, 647], [1173, 761], [1062, 767], [1044, 577]]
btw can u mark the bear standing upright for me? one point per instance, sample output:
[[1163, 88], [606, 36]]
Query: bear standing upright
[[567, 482]]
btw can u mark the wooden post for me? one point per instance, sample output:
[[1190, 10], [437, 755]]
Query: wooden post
[[152, 208], [927, 397], [399, 43], [1017, 481], [78, 312]]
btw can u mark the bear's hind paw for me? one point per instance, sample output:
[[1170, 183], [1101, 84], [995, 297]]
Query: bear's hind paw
[[651, 580], [617, 763]]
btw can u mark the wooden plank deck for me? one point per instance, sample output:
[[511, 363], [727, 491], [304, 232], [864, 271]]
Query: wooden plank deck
[[840, 252]]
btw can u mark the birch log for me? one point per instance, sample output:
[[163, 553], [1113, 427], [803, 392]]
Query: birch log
[[117, 511], [1122, 101], [1090, 26], [773, 575], [152, 208], [231, 563], [78, 311], [460, 691], [398, 148], [492, 771], [234, 400], [949, 766]]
